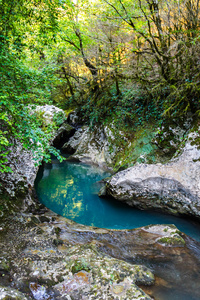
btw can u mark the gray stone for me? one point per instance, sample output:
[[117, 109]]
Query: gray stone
[[92, 146], [91, 263], [173, 187], [7, 293]]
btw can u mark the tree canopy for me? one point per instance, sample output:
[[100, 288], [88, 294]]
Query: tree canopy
[[133, 59]]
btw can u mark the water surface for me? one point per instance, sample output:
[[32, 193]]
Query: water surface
[[71, 190]]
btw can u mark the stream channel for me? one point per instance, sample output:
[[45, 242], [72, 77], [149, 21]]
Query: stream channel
[[71, 190]]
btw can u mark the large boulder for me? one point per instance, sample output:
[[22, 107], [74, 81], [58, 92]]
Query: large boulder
[[173, 187], [92, 145], [119, 148]]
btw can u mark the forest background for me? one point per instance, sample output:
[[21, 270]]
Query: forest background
[[133, 62]]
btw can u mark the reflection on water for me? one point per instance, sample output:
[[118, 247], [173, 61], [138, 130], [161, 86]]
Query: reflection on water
[[71, 190]]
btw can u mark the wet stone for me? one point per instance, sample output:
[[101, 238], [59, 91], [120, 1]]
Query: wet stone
[[78, 269]]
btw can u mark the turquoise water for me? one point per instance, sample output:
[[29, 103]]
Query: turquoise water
[[71, 190]]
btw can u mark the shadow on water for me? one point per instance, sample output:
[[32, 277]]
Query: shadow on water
[[71, 189]]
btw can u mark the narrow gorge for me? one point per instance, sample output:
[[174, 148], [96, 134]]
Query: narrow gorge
[[47, 256]]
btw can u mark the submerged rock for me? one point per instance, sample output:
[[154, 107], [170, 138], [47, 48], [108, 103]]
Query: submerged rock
[[173, 187]]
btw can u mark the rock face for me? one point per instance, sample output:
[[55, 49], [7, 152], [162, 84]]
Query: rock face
[[121, 148], [63, 134], [19, 183], [91, 146], [173, 187], [38, 266]]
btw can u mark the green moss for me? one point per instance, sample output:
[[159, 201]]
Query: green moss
[[195, 141], [57, 231], [5, 266], [173, 241], [175, 232], [135, 146], [80, 265]]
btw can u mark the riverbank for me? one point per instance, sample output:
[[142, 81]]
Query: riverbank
[[45, 256]]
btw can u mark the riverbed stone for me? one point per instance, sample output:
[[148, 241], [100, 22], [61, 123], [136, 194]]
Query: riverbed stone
[[44, 270], [90, 263]]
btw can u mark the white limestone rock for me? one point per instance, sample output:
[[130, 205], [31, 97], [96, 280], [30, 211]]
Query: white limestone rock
[[173, 187], [92, 146]]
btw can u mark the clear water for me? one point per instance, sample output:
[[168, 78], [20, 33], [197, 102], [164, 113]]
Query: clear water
[[71, 190]]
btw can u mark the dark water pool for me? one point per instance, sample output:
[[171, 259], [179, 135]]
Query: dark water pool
[[71, 190]]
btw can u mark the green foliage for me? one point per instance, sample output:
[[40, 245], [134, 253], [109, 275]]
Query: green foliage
[[182, 99], [58, 118], [134, 107], [19, 87], [144, 68], [133, 61], [22, 85]]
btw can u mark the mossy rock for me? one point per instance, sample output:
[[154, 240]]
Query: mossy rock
[[172, 241], [80, 265]]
